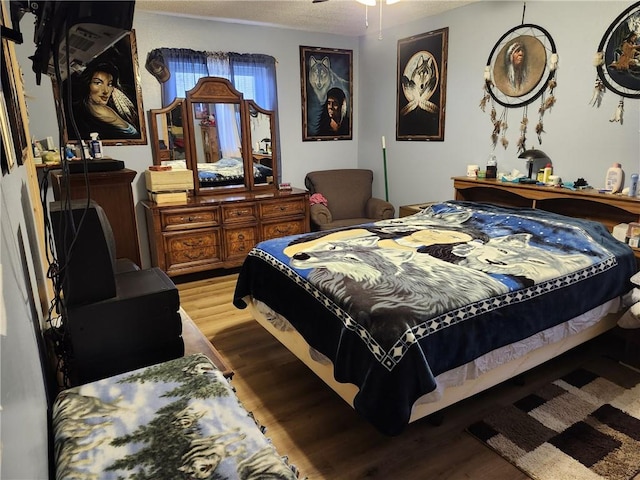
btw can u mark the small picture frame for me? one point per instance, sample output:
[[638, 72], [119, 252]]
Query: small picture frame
[[422, 84], [326, 78], [201, 110], [106, 98]]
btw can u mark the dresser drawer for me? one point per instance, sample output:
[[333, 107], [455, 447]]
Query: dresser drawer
[[190, 248], [282, 208], [239, 212], [180, 219], [239, 241], [282, 229]]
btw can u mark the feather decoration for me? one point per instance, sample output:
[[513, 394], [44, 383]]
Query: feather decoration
[[598, 94], [124, 106], [496, 132], [504, 142], [493, 115], [522, 141], [484, 101], [540, 131], [618, 115], [547, 104], [553, 62], [598, 59], [487, 74], [503, 127]]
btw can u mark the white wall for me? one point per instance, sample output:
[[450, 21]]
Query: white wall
[[579, 139], [23, 413], [152, 31]]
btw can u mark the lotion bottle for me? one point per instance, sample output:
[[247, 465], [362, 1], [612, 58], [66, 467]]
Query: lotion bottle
[[614, 179], [547, 172], [96, 145]]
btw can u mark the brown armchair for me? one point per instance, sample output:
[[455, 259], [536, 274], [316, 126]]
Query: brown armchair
[[349, 199]]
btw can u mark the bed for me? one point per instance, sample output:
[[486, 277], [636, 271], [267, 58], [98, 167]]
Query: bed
[[404, 317], [230, 171]]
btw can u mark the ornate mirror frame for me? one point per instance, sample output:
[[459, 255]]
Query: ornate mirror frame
[[217, 90], [170, 141], [262, 127]]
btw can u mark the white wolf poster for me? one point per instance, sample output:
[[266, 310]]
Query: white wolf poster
[[422, 85], [326, 78]]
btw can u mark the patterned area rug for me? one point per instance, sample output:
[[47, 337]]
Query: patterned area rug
[[580, 427]]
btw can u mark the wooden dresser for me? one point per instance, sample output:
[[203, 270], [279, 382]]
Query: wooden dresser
[[589, 204], [218, 231], [112, 191]]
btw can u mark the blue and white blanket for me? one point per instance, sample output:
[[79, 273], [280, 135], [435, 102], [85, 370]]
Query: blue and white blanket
[[397, 302]]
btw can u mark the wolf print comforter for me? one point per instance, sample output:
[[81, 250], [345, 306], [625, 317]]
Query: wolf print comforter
[[175, 420], [397, 302]]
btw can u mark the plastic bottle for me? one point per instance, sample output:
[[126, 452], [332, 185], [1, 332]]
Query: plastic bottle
[[85, 149], [548, 171], [633, 188], [614, 179], [492, 167], [96, 146]]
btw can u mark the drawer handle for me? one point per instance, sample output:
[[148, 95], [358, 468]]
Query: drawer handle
[[191, 219], [191, 243], [241, 237], [193, 255]]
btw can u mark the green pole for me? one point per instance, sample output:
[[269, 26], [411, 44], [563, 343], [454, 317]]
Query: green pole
[[384, 162]]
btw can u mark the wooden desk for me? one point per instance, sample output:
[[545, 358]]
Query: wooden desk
[[608, 209]]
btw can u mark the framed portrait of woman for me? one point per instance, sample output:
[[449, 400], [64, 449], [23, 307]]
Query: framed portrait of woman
[[106, 98], [422, 85], [326, 77]]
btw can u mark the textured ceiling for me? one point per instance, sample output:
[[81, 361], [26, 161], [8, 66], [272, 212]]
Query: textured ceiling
[[342, 17]]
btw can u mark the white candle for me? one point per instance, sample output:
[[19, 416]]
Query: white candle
[[383, 144]]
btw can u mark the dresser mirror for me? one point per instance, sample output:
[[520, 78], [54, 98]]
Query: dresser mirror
[[169, 140], [224, 130], [261, 128]]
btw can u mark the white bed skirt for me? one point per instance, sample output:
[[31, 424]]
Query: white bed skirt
[[464, 381]]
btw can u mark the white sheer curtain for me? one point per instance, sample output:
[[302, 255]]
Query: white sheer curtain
[[227, 115]]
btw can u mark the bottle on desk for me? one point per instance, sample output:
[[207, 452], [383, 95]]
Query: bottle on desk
[[633, 188], [546, 173], [614, 179], [492, 167]]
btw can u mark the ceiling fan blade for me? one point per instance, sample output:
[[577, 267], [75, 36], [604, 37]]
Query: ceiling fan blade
[[318, 1]]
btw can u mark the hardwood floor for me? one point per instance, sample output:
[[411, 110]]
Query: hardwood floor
[[322, 435]]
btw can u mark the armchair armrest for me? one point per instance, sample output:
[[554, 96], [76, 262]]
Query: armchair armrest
[[320, 214], [379, 209]]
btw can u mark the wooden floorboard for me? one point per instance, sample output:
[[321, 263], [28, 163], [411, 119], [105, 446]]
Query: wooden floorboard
[[322, 435]]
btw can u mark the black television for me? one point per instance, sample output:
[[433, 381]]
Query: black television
[[83, 28]]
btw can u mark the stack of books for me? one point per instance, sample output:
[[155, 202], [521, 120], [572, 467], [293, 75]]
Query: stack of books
[[168, 185]]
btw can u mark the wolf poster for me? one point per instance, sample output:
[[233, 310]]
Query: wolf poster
[[326, 78], [422, 82]]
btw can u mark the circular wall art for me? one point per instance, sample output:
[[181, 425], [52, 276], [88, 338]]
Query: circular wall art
[[519, 66], [619, 54]]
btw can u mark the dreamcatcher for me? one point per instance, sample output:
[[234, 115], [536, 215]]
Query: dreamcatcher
[[617, 61], [521, 69]]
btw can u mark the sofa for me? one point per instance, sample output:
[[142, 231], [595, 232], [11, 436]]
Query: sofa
[[343, 197]]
